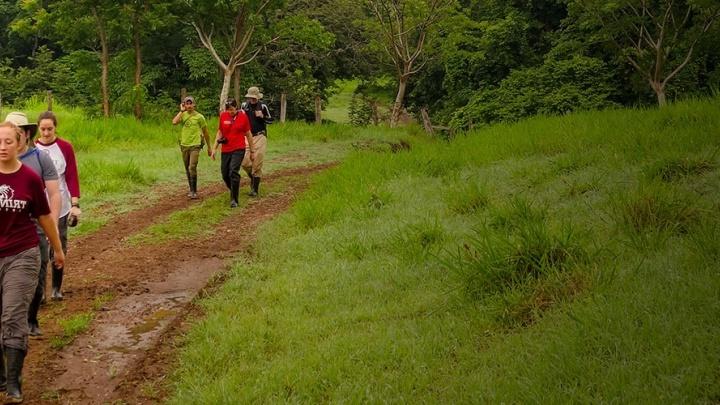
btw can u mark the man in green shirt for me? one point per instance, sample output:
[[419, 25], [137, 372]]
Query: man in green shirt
[[192, 135]]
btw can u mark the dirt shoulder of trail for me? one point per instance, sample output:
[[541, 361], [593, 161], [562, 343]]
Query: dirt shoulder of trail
[[131, 343]]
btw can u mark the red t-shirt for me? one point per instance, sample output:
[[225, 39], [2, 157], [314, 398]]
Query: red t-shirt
[[22, 197], [234, 129]]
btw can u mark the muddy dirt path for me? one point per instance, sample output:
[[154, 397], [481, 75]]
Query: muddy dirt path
[[128, 349]]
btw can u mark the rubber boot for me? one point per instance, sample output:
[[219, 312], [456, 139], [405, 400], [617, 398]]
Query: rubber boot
[[3, 379], [193, 187], [234, 191], [33, 313], [253, 188], [256, 185], [57, 278], [15, 359]]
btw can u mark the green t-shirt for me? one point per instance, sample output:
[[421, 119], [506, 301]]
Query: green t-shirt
[[193, 124]]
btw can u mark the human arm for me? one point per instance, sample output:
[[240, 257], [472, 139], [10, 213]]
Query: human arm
[[251, 144], [49, 225], [178, 117], [266, 114], [206, 136], [218, 135], [72, 178], [54, 198]]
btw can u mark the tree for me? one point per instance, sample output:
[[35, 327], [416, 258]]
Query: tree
[[403, 27], [235, 22], [145, 16], [657, 37]]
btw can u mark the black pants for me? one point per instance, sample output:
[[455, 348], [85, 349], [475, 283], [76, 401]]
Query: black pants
[[230, 168]]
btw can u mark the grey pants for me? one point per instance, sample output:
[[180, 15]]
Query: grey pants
[[18, 279]]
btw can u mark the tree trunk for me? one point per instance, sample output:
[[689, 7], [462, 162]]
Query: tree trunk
[[659, 92], [104, 63], [283, 106], [318, 110], [399, 100], [236, 79], [138, 68], [227, 77]]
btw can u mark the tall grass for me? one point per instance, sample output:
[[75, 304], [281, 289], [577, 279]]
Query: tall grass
[[567, 259]]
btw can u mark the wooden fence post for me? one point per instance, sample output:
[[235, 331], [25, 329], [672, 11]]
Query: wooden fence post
[[283, 106], [49, 100], [318, 110], [426, 120], [183, 93]]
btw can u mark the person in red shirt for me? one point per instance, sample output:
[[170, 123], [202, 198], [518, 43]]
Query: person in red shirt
[[233, 134], [22, 198]]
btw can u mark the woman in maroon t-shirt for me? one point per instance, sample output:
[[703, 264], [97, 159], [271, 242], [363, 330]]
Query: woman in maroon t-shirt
[[22, 197], [233, 132]]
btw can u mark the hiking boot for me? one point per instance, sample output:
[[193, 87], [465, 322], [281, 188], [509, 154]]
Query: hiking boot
[[34, 330], [15, 359], [233, 204], [57, 295], [193, 195]]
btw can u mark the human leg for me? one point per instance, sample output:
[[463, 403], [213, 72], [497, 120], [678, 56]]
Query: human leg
[[236, 160], [194, 154], [58, 272], [19, 275], [33, 322], [257, 163]]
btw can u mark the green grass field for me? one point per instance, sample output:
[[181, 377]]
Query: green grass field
[[125, 164], [337, 108], [568, 259]]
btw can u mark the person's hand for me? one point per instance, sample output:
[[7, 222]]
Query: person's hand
[[59, 259], [252, 155], [258, 113], [212, 155], [75, 211], [182, 107]]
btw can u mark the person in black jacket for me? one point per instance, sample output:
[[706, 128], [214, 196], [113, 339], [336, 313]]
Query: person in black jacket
[[259, 116]]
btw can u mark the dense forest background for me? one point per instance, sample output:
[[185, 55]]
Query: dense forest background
[[468, 62]]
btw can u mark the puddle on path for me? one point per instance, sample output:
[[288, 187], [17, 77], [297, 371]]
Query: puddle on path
[[98, 361]]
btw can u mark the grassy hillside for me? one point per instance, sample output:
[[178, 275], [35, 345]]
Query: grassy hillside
[[569, 259]]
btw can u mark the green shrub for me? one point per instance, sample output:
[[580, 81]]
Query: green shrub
[[556, 87]]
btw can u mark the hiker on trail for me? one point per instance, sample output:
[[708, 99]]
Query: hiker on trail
[[233, 133], [44, 167], [63, 156], [22, 198], [193, 136], [259, 116]]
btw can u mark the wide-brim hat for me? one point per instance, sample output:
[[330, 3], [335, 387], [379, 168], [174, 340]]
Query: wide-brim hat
[[20, 119], [190, 98], [254, 92]]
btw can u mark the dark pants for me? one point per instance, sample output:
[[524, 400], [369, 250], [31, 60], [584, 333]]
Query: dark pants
[[18, 279], [42, 276], [230, 169]]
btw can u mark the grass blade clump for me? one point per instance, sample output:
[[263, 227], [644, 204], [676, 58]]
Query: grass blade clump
[[675, 168], [656, 209]]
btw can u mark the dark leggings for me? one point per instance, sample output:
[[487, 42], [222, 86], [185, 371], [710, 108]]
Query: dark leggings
[[230, 167]]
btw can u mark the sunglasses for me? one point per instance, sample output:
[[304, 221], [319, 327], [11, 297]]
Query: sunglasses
[[188, 102]]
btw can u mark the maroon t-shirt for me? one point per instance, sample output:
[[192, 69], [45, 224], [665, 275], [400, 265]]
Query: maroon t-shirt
[[22, 197]]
